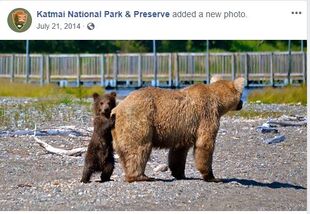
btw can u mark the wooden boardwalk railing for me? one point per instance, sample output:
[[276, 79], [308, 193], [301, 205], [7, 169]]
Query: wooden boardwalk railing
[[173, 69]]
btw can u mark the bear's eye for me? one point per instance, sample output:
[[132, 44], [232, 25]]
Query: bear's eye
[[101, 103]]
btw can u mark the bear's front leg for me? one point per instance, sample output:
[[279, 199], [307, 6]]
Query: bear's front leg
[[106, 164], [107, 172], [203, 151]]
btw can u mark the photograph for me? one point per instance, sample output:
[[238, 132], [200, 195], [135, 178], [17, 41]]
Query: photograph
[[153, 125]]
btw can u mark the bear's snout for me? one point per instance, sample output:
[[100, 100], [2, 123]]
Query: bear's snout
[[239, 107], [105, 109]]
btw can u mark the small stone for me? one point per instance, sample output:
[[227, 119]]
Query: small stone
[[56, 182], [161, 168]]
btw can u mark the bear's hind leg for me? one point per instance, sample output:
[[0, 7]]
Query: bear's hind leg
[[134, 162], [107, 167], [176, 162], [87, 171], [107, 172]]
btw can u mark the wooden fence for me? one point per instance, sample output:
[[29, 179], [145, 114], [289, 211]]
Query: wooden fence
[[173, 69]]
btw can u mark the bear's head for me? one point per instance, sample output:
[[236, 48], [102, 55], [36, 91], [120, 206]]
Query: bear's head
[[229, 93], [103, 104]]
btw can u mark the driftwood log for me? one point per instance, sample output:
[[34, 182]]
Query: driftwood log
[[70, 131], [53, 150], [288, 123]]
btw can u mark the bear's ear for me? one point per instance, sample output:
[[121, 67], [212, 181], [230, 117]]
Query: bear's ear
[[95, 95], [113, 94], [216, 78], [239, 84]]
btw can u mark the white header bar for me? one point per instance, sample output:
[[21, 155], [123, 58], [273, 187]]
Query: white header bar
[[161, 20]]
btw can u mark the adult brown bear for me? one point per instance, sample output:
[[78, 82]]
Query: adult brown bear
[[174, 119]]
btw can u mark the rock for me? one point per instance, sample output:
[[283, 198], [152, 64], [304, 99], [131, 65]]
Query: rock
[[276, 139], [56, 182], [263, 129], [161, 168]]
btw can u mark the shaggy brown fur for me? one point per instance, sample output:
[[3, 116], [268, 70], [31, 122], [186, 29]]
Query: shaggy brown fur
[[174, 119], [99, 155]]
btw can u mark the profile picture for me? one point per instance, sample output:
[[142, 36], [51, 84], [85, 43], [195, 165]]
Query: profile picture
[[19, 20]]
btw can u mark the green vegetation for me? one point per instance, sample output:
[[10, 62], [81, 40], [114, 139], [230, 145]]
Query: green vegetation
[[251, 114], [35, 91], [285, 95], [26, 90], [82, 92], [140, 46]]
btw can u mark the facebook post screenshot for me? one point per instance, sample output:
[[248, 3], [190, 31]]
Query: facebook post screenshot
[[153, 105]]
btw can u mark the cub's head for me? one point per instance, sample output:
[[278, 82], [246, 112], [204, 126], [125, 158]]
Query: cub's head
[[103, 104], [229, 93]]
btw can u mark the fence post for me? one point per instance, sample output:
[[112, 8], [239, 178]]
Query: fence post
[[233, 73], [115, 69], [271, 70], [289, 63], [207, 68], [170, 70], [246, 69], [28, 62], [41, 70], [193, 67], [207, 63], [102, 73], [12, 68], [48, 74], [139, 71], [155, 63], [304, 67], [176, 69], [78, 70]]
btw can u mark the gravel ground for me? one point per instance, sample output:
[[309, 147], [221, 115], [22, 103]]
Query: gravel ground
[[257, 176]]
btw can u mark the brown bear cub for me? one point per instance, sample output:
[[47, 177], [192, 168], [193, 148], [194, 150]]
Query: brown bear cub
[[176, 120], [99, 155]]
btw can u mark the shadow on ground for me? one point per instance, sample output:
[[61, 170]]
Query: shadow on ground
[[244, 182], [273, 185]]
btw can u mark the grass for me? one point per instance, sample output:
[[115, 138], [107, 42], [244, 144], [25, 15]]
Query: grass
[[251, 114], [82, 92], [26, 90], [9, 89], [269, 95], [285, 95]]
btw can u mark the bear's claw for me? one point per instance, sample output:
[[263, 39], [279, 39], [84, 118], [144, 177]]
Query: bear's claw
[[212, 179]]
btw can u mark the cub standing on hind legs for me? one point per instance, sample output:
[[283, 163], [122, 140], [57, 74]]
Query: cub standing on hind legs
[[173, 119], [99, 155]]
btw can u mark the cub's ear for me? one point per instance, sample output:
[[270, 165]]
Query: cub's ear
[[239, 84], [215, 78], [95, 95], [113, 94]]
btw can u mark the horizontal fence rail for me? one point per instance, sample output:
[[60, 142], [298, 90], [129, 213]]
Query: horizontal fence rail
[[172, 69]]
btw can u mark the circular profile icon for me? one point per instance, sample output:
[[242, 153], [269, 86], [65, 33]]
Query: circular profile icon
[[19, 20]]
